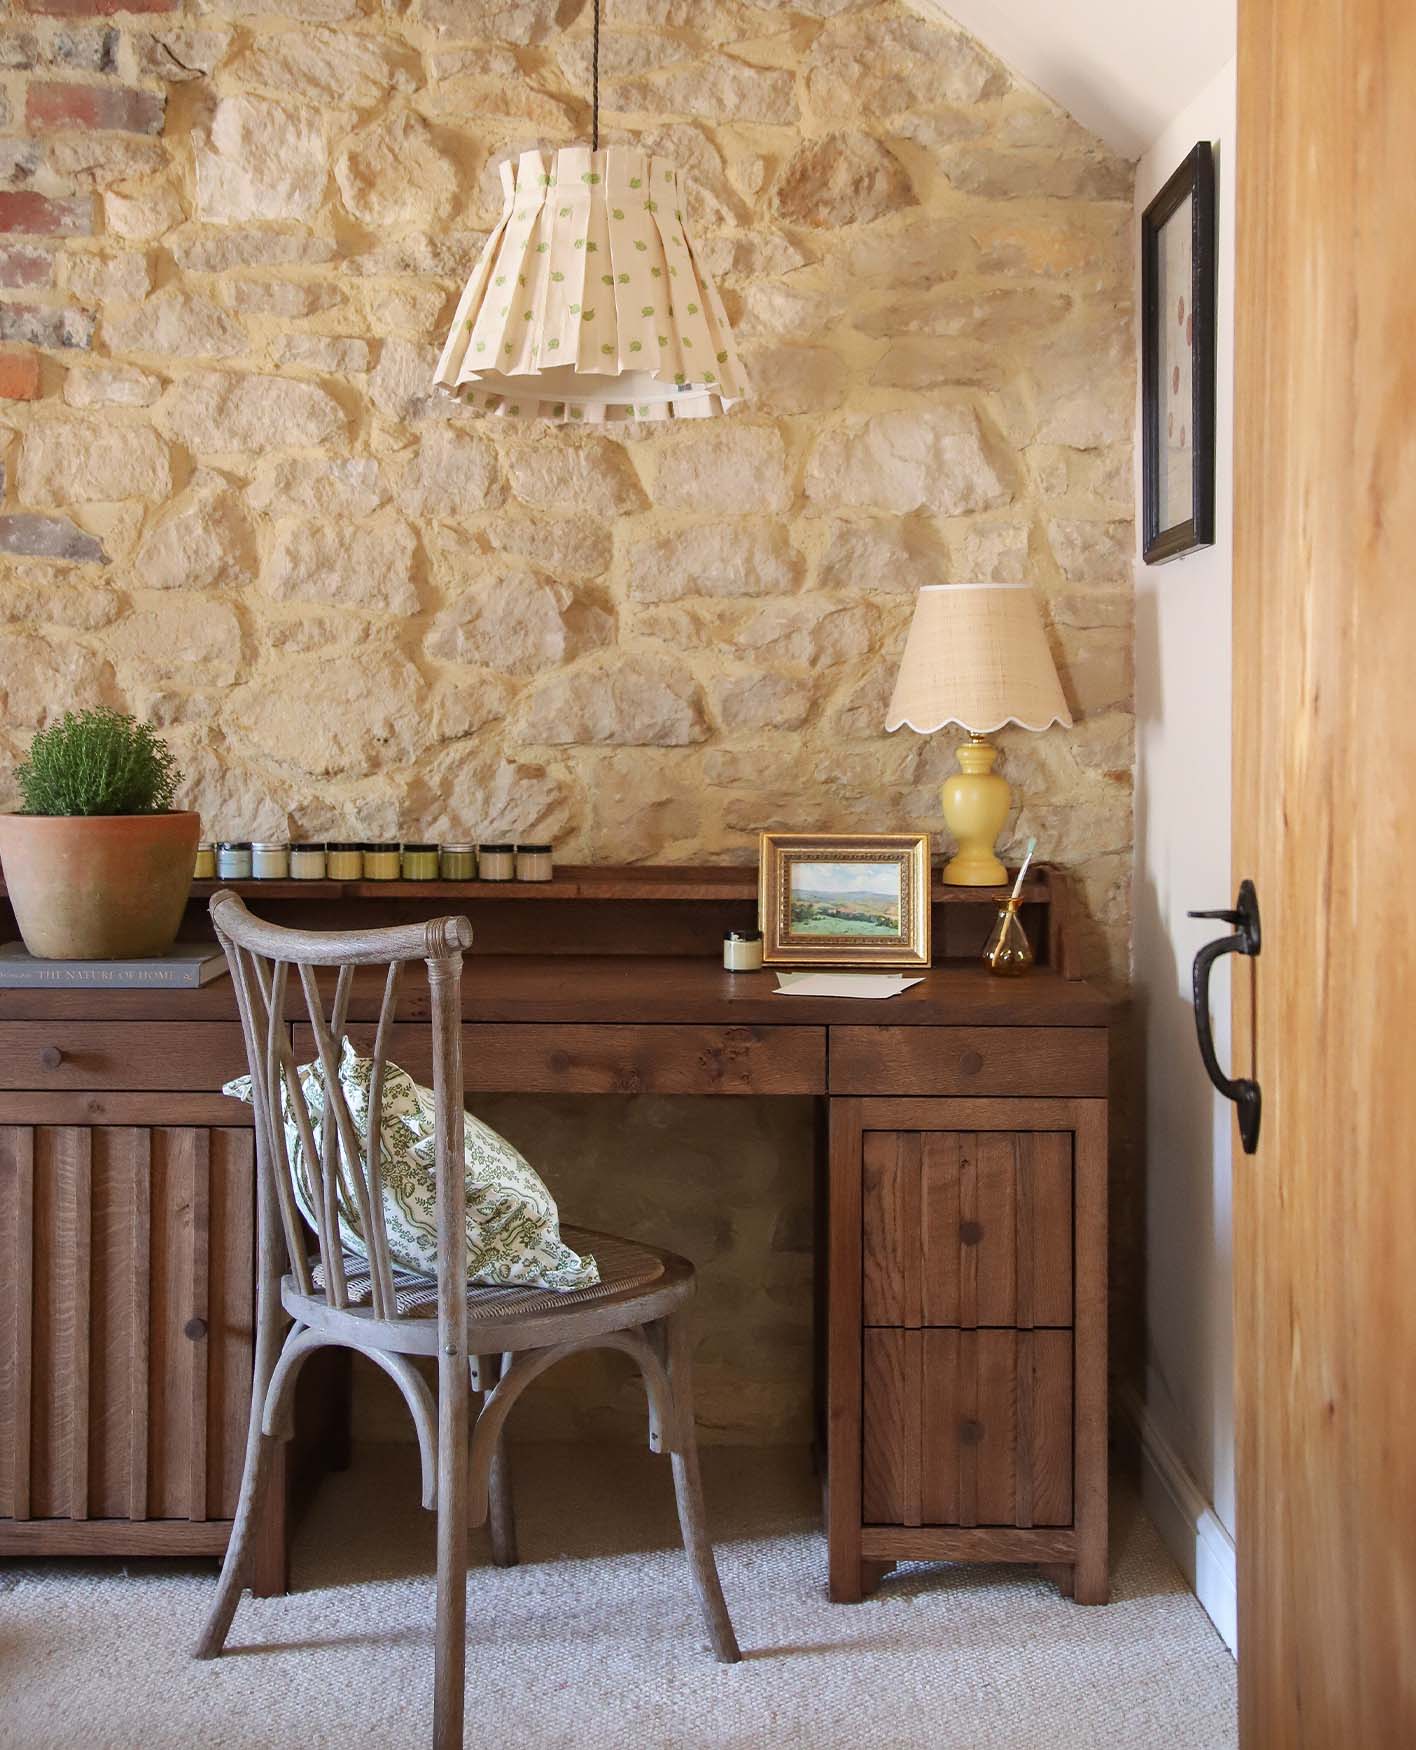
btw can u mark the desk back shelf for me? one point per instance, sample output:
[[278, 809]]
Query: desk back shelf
[[649, 909]]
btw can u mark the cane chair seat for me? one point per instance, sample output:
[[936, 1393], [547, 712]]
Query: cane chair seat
[[506, 1318]]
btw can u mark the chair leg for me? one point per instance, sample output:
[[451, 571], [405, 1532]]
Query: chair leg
[[688, 1489], [450, 1658], [501, 1513], [261, 1451]]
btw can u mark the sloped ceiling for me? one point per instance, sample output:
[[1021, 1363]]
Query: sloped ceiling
[[1123, 68]]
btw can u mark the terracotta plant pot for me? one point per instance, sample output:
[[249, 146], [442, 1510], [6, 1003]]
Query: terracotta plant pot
[[98, 887]]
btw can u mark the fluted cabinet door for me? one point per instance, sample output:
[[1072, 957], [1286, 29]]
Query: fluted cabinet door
[[125, 1321]]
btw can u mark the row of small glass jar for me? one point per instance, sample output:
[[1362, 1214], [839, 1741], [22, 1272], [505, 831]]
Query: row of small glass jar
[[274, 860]]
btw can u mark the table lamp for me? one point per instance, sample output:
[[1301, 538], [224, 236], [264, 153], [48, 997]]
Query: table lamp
[[977, 656]]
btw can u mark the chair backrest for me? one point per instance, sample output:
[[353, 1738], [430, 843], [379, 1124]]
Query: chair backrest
[[341, 1170]]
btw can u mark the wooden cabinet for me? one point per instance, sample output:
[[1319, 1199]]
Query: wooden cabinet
[[126, 1309], [967, 1385]]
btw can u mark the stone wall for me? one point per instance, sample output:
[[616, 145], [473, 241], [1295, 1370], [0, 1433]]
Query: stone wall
[[234, 234]]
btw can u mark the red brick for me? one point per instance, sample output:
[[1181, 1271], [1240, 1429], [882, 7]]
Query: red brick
[[26, 267], [93, 106], [96, 8], [21, 209], [19, 376]]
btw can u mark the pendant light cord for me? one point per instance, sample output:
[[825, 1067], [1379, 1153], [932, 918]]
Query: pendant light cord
[[595, 85]]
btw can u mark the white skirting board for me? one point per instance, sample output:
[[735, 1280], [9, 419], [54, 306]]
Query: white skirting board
[[1188, 1525]]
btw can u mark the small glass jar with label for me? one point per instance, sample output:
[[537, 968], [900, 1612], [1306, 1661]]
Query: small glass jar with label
[[496, 863], [534, 863], [742, 950], [233, 860], [382, 862], [307, 862], [344, 862], [420, 862], [205, 869], [458, 862], [270, 860]]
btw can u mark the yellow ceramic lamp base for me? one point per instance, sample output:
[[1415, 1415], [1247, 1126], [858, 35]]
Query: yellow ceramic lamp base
[[975, 811]]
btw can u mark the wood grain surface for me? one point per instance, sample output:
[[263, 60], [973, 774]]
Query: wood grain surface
[[1324, 819]]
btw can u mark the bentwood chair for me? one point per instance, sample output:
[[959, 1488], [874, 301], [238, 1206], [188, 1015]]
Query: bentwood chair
[[493, 1341]]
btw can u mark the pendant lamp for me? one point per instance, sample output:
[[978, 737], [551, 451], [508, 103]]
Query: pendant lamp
[[589, 302]]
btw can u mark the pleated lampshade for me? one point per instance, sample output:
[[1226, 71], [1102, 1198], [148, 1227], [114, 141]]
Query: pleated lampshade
[[588, 302], [977, 655]]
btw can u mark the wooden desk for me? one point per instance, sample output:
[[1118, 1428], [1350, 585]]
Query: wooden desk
[[962, 1279]]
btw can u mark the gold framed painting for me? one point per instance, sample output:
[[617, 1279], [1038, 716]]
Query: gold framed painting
[[844, 899]]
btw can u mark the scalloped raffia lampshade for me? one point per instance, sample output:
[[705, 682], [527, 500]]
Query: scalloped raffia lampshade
[[588, 302], [977, 656]]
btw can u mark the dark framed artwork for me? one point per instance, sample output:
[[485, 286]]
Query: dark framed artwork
[[1177, 361]]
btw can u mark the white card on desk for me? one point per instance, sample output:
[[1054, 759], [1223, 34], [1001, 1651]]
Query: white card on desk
[[844, 984]]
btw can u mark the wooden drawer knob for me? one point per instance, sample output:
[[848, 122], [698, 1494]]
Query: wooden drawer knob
[[970, 1233], [194, 1329], [970, 1433], [971, 1063], [51, 1057]]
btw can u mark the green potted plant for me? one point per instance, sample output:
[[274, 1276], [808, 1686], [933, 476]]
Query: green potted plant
[[99, 864]]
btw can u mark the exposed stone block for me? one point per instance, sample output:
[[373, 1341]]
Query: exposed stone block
[[49, 537], [220, 412], [19, 376], [714, 559], [51, 105], [631, 701], [111, 386], [718, 466], [43, 215], [367, 566], [78, 460], [900, 462], [98, 8], [25, 267], [46, 325], [519, 622], [175, 324], [259, 159], [843, 179]]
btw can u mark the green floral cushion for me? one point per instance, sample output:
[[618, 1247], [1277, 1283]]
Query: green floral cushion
[[513, 1228]]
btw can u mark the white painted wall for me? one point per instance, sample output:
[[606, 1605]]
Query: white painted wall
[[1183, 675], [1121, 67]]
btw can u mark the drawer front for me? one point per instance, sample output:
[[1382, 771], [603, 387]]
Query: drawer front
[[140, 1055], [614, 1060], [966, 1228], [967, 1428], [969, 1060]]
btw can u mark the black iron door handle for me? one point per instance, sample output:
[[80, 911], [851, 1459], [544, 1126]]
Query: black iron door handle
[[1245, 940]]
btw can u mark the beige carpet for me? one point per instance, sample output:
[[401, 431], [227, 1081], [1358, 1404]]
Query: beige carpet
[[594, 1641]]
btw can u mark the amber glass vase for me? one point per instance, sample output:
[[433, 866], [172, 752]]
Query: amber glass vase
[[1009, 953]]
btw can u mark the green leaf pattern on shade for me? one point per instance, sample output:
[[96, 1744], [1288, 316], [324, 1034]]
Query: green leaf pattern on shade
[[513, 1226]]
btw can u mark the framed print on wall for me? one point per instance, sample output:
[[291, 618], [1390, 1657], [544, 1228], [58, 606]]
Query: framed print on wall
[[844, 899], [1177, 361]]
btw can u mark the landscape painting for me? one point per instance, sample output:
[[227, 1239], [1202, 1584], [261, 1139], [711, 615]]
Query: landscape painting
[[846, 899]]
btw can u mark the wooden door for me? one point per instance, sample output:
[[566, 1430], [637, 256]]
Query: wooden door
[[126, 1287], [1325, 825]]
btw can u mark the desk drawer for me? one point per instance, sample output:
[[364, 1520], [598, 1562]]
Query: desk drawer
[[75, 1055], [534, 1059], [966, 1228], [967, 1428], [969, 1060]]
